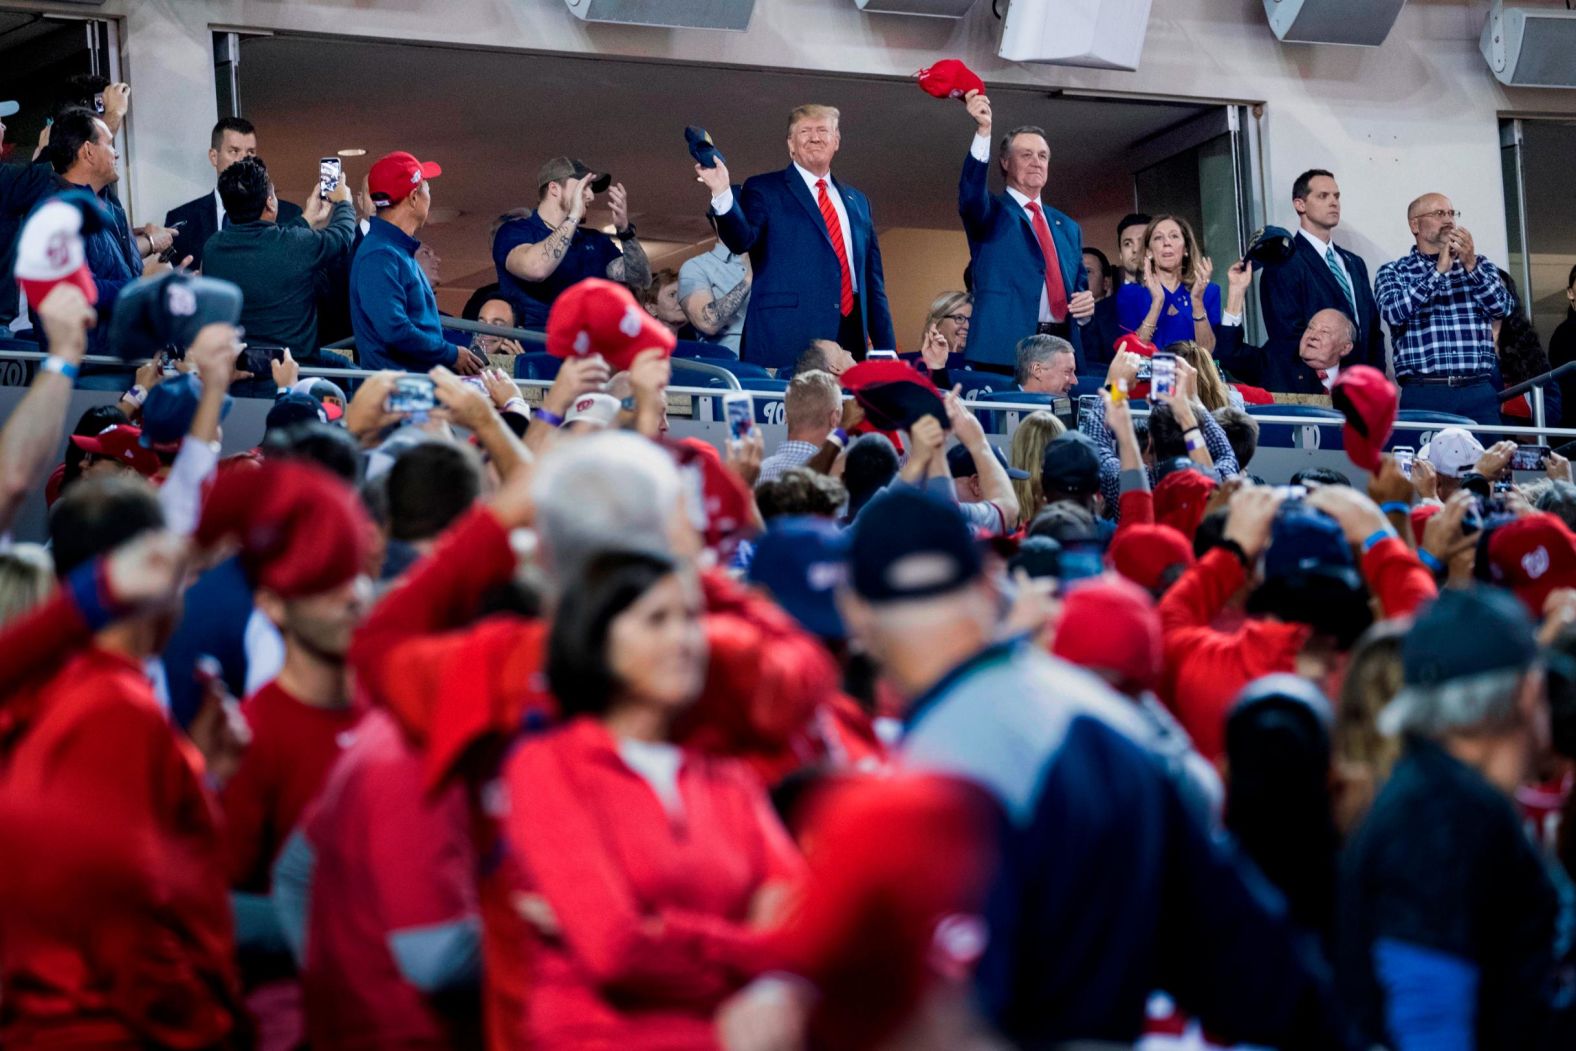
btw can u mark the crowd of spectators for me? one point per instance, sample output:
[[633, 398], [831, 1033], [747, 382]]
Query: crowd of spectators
[[559, 730]]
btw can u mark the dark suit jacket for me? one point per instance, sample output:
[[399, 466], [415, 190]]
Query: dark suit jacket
[[797, 294], [1293, 377], [1009, 268], [1292, 292], [202, 222], [1099, 336]]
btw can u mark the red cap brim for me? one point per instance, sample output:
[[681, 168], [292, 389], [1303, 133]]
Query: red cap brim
[[82, 277], [431, 169]]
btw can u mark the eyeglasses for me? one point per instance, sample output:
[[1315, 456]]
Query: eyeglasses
[[957, 319], [1439, 213]]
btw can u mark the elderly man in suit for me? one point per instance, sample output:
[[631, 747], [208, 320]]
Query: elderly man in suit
[[1027, 257], [233, 138], [812, 244], [1320, 275]]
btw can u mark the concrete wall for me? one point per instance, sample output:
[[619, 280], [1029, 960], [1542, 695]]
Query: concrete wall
[[1418, 114]]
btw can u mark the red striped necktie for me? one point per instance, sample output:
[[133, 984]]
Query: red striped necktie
[[834, 230]]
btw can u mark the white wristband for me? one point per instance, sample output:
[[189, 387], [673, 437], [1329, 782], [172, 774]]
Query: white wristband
[[517, 405], [136, 395]]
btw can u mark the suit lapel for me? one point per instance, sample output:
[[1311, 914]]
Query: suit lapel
[[798, 190]]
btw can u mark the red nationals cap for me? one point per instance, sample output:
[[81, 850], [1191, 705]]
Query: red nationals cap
[[395, 177], [894, 394], [1110, 625], [1533, 556], [597, 316], [1369, 402], [949, 79], [1145, 554], [121, 442]]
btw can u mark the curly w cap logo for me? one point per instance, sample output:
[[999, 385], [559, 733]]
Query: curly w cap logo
[[1535, 563], [582, 342], [630, 323]]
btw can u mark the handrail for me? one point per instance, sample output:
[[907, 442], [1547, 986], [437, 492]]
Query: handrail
[[460, 324], [1537, 381]]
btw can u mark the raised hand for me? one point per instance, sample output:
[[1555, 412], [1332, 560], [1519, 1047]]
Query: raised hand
[[935, 350], [577, 192], [1157, 291], [1240, 277], [286, 371], [714, 179], [618, 201], [1201, 277], [979, 108]]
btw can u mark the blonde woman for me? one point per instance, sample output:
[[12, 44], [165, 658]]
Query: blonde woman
[[946, 330], [1212, 390], [1364, 756], [1036, 431]]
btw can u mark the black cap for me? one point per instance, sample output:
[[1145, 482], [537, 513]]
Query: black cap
[[908, 544], [168, 311], [570, 168], [1467, 632], [1071, 465], [961, 463], [1270, 246]]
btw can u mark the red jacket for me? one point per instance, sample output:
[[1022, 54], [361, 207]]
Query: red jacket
[[116, 931], [1207, 668], [654, 907]]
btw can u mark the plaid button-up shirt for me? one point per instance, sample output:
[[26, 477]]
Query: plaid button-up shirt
[[1092, 423], [1440, 324]]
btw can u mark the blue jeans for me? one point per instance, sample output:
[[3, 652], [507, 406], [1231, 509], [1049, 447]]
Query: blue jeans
[[1478, 402]]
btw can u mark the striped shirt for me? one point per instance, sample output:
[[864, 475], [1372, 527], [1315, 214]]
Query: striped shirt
[[1440, 324], [788, 455]]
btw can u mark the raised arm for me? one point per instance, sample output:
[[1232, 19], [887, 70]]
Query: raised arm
[[538, 261], [631, 268], [32, 434]]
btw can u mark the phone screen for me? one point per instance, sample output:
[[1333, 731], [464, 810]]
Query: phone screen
[[1404, 455], [878, 355], [329, 172], [98, 103], [740, 412], [412, 394], [1529, 458], [1163, 376]]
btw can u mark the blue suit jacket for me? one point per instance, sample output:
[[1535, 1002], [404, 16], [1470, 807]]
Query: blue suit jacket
[[1292, 292], [1009, 268], [797, 294]]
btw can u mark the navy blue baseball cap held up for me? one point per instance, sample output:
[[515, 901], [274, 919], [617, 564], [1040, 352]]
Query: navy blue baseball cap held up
[[908, 544]]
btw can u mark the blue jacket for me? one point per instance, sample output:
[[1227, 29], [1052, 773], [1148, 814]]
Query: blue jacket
[[797, 292], [1009, 268], [1110, 886], [1292, 292], [392, 308]]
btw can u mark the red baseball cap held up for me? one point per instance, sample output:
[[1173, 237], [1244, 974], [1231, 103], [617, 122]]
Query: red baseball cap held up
[[597, 316], [1533, 556], [949, 79], [1369, 401], [395, 177]]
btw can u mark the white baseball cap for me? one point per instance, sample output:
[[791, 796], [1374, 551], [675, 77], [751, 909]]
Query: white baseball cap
[[49, 253], [1453, 451], [594, 408]]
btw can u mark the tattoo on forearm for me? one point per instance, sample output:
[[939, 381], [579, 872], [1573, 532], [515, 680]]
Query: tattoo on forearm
[[719, 312], [557, 242], [634, 267]]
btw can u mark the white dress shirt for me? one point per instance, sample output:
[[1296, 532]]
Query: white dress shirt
[[1330, 375], [218, 206], [723, 203]]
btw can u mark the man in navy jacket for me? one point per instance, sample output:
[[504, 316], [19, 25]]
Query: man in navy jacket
[[812, 243], [1320, 275], [1027, 257]]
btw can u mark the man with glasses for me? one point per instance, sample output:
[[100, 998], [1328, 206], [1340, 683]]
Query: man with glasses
[[1440, 301]]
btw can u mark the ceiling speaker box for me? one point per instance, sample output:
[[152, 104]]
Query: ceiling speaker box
[[1533, 47], [1101, 34], [671, 14], [1364, 23], [925, 8]]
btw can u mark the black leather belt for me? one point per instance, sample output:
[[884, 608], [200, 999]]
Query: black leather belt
[[1442, 381]]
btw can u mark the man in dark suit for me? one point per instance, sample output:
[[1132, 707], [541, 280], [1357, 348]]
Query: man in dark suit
[[1324, 349], [1319, 275], [1027, 257], [812, 244], [233, 138]]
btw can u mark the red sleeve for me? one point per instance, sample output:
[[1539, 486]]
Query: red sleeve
[[1200, 593], [867, 933], [1137, 508], [1395, 575], [672, 955], [765, 678]]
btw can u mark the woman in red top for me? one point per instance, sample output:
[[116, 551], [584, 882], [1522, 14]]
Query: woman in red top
[[656, 865]]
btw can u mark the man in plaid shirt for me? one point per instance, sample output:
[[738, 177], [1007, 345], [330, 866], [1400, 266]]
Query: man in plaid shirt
[[1440, 301]]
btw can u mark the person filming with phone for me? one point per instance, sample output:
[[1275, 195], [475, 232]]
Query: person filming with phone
[[277, 267], [1440, 301], [392, 306]]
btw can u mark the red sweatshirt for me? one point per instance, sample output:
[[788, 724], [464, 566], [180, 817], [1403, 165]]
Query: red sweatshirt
[[293, 746], [654, 906], [115, 928], [1207, 668], [455, 684]]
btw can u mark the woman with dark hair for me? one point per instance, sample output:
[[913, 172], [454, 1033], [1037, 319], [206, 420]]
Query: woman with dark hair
[[1176, 300], [1521, 357], [79, 462], [648, 869]]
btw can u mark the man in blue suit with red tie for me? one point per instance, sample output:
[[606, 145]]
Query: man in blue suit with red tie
[[812, 245], [1027, 256], [1319, 275]]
